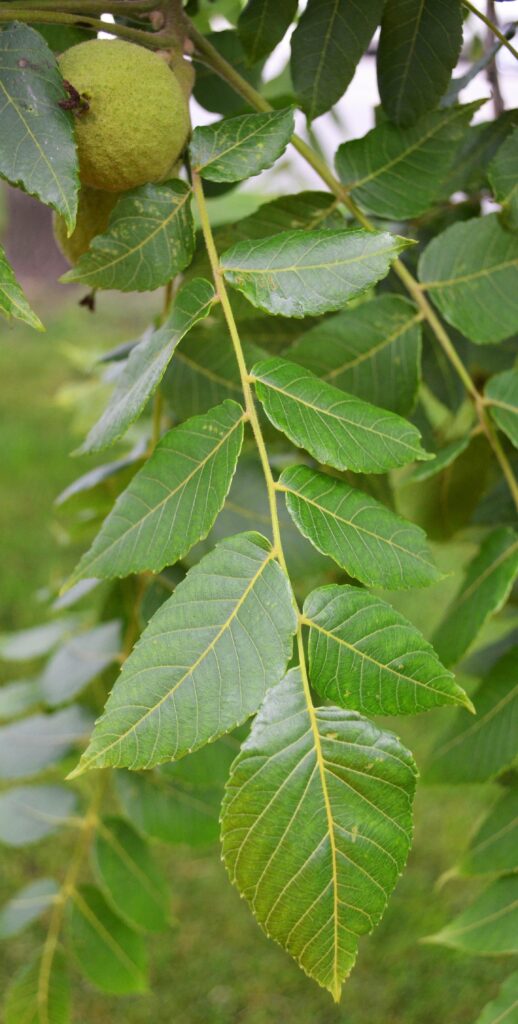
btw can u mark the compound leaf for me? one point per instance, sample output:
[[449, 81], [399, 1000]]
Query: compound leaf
[[240, 147], [109, 953]]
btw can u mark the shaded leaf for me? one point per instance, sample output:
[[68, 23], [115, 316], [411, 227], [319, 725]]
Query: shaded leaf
[[12, 299], [365, 655], [470, 271], [28, 813], [489, 927], [368, 540], [28, 1003], [503, 177], [94, 477], [443, 458], [29, 903], [501, 393], [493, 849], [36, 742], [109, 953], [210, 89], [172, 501], [262, 24], [204, 662], [150, 238], [131, 879], [504, 1007], [316, 827], [299, 273], [240, 147]]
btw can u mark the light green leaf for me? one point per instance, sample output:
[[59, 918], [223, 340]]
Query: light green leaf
[[150, 238], [17, 697], [28, 813], [27, 1002], [172, 502], [501, 394], [147, 364], [34, 743], [79, 661], [12, 299], [476, 750], [470, 273], [443, 458], [26, 644], [29, 903], [204, 662], [503, 177], [489, 927], [365, 655], [109, 953], [129, 876], [366, 539], [486, 587], [373, 351], [240, 147], [337, 429], [300, 273], [316, 827], [330, 39], [504, 1008], [494, 849], [398, 172], [39, 154], [262, 24], [419, 46]]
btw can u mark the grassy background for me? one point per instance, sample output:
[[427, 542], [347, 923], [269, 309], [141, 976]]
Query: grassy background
[[214, 966]]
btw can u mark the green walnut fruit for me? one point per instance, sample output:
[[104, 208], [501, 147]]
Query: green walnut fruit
[[137, 120], [93, 213]]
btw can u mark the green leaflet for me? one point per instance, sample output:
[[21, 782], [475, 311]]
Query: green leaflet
[[365, 655], [494, 847], [40, 156], [240, 147], [147, 364], [330, 39], [132, 882], [489, 927], [501, 394], [368, 540], [26, 644], [29, 903], [476, 750], [204, 372], [373, 351], [17, 697], [110, 954], [486, 587], [503, 177], [31, 744], [80, 660], [172, 502], [470, 272], [30, 1002], [150, 238], [316, 827], [302, 273], [262, 24], [419, 46], [398, 172], [505, 1005], [336, 428], [12, 299], [204, 662], [28, 813], [443, 458]]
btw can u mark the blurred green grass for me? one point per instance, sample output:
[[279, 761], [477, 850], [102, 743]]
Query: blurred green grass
[[214, 966]]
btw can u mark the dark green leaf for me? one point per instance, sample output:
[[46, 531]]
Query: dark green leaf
[[242, 146], [36, 742], [28, 1001], [489, 927], [28, 813], [494, 847], [29, 903], [263, 23], [129, 876], [502, 396], [210, 89], [111, 955], [503, 176], [12, 299]]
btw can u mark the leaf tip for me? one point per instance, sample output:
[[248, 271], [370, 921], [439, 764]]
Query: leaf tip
[[79, 769]]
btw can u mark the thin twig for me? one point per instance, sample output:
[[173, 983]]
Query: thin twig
[[492, 27]]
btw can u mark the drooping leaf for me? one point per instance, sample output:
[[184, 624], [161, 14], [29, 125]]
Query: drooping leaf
[[242, 146], [28, 1002], [373, 351], [330, 39], [129, 876], [365, 655], [262, 24], [29, 903], [150, 238], [12, 299], [17, 697], [470, 272], [504, 1007], [337, 429], [39, 154], [28, 813], [493, 849], [368, 540], [204, 662], [26, 644], [419, 46], [36, 742], [300, 273], [476, 750], [79, 661], [503, 176], [147, 364], [172, 501], [316, 826], [398, 172], [488, 581], [502, 395], [489, 927], [109, 953]]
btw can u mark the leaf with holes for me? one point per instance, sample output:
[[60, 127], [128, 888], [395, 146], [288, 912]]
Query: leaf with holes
[[501, 394], [13, 303], [129, 876], [109, 953], [240, 147], [316, 827]]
